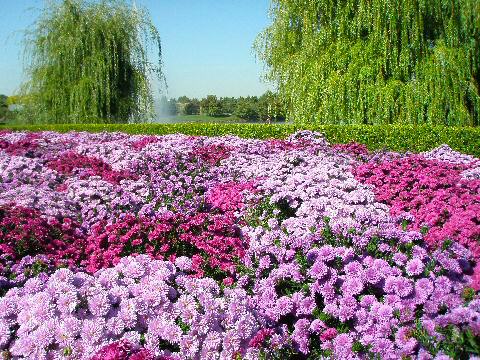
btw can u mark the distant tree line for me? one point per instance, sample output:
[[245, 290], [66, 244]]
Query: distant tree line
[[10, 107], [5, 113], [267, 107]]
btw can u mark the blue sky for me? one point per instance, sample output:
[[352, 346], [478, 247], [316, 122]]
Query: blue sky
[[207, 44]]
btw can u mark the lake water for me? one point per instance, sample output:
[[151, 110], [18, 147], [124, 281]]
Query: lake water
[[167, 120]]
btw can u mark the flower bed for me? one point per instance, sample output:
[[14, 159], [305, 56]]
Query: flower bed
[[118, 246]]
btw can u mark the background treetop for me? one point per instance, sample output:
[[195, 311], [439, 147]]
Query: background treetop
[[90, 61], [376, 61]]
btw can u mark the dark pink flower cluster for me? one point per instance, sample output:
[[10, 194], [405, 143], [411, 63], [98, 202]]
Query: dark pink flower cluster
[[24, 147], [25, 232], [129, 235], [218, 237], [144, 141], [261, 337], [123, 350], [352, 148], [433, 192], [229, 196], [69, 162], [212, 240], [211, 154]]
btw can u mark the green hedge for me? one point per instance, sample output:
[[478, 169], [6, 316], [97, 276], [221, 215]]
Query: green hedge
[[392, 137]]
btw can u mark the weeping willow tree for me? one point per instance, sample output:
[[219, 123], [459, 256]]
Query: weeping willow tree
[[90, 62], [375, 61]]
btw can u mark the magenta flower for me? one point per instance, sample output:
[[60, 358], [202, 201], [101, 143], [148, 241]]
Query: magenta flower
[[328, 334]]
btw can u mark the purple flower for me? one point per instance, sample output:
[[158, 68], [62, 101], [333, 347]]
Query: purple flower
[[354, 269], [443, 285], [318, 270], [317, 326], [384, 313], [423, 288], [4, 334], [367, 301], [183, 263], [92, 331], [99, 304], [326, 253], [284, 305], [352, 286], [347, 307], [414, 267], [342, 346], [400, 258], [404, 286], [301, 335], [284, 271], [372, 275], [404, 341]]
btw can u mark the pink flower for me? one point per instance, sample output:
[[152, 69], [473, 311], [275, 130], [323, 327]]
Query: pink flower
[[115, 351], [328, 334], [228, 281], [136, 242], [260, 337]]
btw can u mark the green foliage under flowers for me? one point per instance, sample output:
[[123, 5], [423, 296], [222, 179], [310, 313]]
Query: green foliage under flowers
[[456, 344], [391, 137], [264, 210]]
